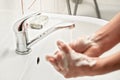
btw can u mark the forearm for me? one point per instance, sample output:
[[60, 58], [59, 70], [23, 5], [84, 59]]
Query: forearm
[[106, 37], [108, 64]]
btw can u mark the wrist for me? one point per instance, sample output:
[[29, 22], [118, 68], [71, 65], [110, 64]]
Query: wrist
[[98, 68]]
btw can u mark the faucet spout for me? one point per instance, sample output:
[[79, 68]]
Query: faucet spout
[[49, 31], [21, 32]]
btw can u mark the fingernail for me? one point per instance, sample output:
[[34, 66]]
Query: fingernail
[[63, 47], [60, 44], [49, 58]]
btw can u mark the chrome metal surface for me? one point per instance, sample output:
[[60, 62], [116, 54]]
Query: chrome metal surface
[[21, 32]]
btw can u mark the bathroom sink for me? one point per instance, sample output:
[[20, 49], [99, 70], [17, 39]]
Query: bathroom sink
[[34, 66]]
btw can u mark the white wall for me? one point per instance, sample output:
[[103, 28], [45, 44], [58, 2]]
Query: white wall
[[7, 15], [108, 8], [10, 10]]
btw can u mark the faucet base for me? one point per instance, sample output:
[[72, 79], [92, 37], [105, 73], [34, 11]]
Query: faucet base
[[24, 52]]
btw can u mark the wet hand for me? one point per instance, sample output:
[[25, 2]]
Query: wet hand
[[69, 63]]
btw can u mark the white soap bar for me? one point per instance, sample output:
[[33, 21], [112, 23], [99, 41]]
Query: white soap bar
[[37, 22]]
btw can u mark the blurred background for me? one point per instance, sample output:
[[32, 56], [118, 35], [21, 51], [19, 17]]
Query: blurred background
[[11, 10], [108, 8]]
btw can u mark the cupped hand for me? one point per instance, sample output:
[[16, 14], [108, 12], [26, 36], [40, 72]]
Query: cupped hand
[[70, 63], [86, 45]]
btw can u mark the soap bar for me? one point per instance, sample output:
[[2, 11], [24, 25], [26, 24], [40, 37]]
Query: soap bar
[[37, 22]]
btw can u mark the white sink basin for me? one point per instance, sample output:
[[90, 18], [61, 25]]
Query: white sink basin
[[29, 67]]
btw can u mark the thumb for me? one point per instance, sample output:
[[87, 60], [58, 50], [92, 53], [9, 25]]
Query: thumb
[[64, 47]]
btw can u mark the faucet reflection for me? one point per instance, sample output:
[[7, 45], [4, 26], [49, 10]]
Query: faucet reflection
[[21, 32]]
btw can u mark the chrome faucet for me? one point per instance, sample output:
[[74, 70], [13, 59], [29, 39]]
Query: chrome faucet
[[21, 29]]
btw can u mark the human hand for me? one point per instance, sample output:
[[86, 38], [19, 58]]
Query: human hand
[[81, 44], [70, 63], [86, 45]]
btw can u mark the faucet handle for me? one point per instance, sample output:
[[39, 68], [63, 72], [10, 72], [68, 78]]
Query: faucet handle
[[19, 23]]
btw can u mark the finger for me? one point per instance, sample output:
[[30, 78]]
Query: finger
[[75, 46], [56, 60], [50, 58], [79, 45], [53, 61], [59, 59], [64, 47], [67, 50]]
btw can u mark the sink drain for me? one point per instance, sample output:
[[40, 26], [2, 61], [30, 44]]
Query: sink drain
[[38, 60]]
